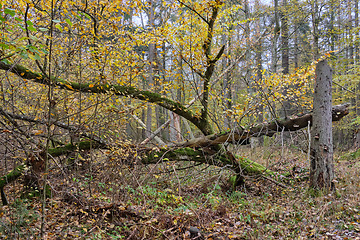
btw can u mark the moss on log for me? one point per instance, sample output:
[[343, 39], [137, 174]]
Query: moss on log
[[84, 145], [12, 176], [120, 90], [247, 166]]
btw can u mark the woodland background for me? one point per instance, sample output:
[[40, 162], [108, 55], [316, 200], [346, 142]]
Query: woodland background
[[86, 86]]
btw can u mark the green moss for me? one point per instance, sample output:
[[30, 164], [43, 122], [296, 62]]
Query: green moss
[[132, 92], [253, 168], [12, 176], [84, 145]]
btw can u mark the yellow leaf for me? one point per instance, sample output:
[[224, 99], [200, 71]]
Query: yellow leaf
[[37, 132], [69, 86]]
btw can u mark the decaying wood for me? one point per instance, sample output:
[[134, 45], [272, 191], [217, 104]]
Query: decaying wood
[[199, 149], [242, 135], [322, 150]]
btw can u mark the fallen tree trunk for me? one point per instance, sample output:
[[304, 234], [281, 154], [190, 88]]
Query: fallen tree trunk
[[242, 135], [54, 152], [197, 150]]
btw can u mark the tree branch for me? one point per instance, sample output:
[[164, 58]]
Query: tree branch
[[56, 123], [119, 90], [242, 136]]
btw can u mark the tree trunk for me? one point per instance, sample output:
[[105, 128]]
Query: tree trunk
[[259, 62], [151, 71], [321, 152], [197, 150], [315, 24], [284, 40], [350, 33], [226, 87], [276, 37], [296, 46], [357, 57], [287, 106], [356, 26]]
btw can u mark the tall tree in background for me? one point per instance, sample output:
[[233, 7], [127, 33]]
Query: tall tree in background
[[285, 64], [151, 58], [276, 32], [315, 20]]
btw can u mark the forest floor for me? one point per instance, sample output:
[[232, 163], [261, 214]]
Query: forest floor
[[104, 199]]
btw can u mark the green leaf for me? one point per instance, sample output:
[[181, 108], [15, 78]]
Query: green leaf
[[58, 26], [31, 28], [68, 22], [56, 21], [21, 39], [22, 27], [31, 56], [34, 56], [44, 50], [33, 38], [9, 11], [4, 46], [24, 55], [29, 23], [87, 16], [43, 29], [32, 48]]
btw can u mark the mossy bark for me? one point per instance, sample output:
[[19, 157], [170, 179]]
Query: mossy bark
[[84, 145], [55, 152], [246, 166], [120, 90], [12, 176]]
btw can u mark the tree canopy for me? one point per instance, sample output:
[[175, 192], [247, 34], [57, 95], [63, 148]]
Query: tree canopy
[[157, 82]]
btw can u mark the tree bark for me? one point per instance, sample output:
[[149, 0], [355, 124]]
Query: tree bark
[[315, 25], [321, 151], [274, 47], [150, 78], [198, 149]]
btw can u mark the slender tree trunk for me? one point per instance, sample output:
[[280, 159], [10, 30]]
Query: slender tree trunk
[[357, 110], [258, 61], [284, 39], [275, 39], [226, 83], [287, 105], [150, 79], [321, 152], [350, 32], [356, 26], [332, 22], [296, 47], [247, 36], [315, 24]]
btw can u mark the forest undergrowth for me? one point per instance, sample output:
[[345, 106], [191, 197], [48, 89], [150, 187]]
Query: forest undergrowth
[[101, 198]]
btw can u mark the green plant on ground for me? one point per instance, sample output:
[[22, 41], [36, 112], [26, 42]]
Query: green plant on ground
[[16, 225]]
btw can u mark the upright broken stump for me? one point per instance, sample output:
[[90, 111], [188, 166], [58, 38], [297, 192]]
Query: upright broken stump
[[321, 151]]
